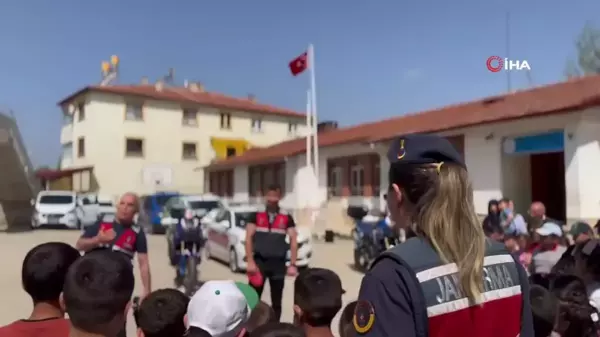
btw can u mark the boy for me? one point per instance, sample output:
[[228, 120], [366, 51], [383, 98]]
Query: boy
[[317, 299], [162, 313], [42, 276]]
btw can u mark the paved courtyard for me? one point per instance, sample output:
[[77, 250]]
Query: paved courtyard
[[337, 257]]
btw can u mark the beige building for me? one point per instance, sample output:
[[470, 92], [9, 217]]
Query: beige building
[[148, 138]]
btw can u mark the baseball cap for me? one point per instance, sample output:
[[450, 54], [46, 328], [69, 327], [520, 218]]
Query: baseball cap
[[423, 149], [222, 307], [579, 228], [550, 228]]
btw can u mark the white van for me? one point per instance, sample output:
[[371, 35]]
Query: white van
[[55, 208]]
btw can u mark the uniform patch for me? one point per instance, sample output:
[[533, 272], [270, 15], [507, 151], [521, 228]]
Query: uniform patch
[[364, 317], [401, 150]]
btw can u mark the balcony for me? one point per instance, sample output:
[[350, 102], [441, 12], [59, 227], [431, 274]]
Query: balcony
[[66, 134]]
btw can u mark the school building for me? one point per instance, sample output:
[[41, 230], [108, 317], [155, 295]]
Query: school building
[[541, 144]]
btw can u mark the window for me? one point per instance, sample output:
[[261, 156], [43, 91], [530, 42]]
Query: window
[[81, 112], [230, 151], [221, 183], [56, 199], [254, 185], [134, 147], [376, 177], [357, 178], [67, 119], [268, 177], [334, 181], [80, 147], [225, 121], [292, 128], [67, 151], [189, 151], [189, 117], [133, 112], [256, 125]]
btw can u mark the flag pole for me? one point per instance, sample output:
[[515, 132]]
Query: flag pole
[[313, 101], [308, 129]]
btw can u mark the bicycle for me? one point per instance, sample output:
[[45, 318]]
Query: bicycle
[[189, 259]]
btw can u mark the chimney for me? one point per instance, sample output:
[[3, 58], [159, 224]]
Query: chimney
[[327, 126], [196, 87], [252, 97], [159, 85], [144, 81]]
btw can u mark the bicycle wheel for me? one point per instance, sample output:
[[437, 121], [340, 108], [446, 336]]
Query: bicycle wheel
[[191, 276]]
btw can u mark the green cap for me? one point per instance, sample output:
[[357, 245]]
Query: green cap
[[249, 293], [579, 228]]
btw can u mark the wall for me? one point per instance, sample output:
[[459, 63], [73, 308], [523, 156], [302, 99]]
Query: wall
[[105, 130], [582, 158], [494, 174]]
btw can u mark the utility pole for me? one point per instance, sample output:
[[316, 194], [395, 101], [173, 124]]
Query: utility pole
[[508, 78]]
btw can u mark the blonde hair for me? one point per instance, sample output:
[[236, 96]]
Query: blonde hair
[[443, 212]]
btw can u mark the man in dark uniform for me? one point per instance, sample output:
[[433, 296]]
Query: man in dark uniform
[[267, 249], [122, 236], [410, 290]]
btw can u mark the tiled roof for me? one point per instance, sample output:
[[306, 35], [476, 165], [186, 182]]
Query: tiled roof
[[552, 99], [50, 174], [185, 95]]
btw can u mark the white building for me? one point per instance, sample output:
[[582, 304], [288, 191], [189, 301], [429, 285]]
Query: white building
[[145, 138], [536, 145]]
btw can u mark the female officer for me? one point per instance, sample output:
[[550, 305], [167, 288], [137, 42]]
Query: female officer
[[448, 280]]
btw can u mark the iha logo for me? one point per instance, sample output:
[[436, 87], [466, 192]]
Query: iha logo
[[496, 64]]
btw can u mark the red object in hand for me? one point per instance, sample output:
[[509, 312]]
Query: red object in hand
[[256, 279], [299, 64]]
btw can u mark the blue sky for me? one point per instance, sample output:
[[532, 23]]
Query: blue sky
[[374, 59]]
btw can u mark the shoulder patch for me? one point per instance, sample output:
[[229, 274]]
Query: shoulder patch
[[364, 317]]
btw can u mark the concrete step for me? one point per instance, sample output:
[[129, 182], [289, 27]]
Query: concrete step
[[15, 191]]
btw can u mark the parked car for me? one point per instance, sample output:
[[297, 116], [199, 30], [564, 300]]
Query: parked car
[[92, 207], [226, 232], [55, 208], [151, 209]]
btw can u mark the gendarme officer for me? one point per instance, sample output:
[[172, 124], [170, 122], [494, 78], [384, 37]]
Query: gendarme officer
[[267, 249], [448, 280]]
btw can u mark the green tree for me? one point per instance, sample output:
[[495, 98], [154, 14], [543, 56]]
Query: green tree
[[587, 47]]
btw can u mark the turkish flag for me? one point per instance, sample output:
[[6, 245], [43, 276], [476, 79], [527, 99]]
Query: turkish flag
[[299, 64]]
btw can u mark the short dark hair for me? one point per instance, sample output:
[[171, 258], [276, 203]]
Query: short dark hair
[[161, 313], [278, 330], [346, 316], [98, 288], [544, 310], [45, 268], [318, 292], [274, 187], [261, 315], [197, 332], [348, 330]]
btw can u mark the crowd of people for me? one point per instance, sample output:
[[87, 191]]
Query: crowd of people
[[563, 267], [95, 292], [513, 275]]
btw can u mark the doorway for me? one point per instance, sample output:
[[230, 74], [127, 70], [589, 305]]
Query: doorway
[[548, 183]]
